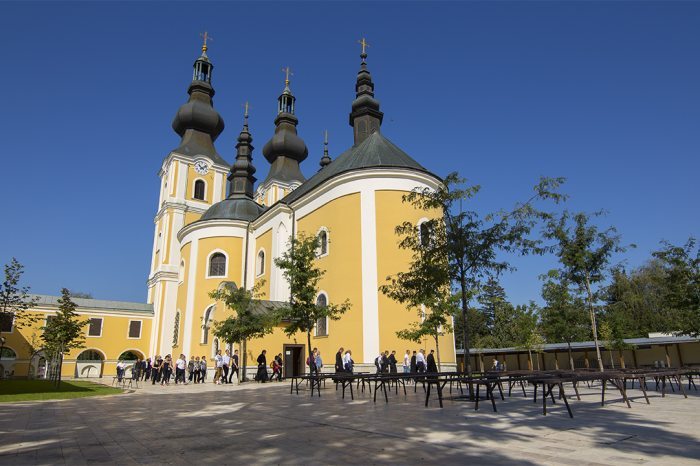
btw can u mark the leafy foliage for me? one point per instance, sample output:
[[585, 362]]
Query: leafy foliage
[[298, 265], [15, 301], [64, 332]]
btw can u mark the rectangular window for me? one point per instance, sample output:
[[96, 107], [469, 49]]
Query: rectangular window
[[322, 327], [134, 329], [95, 329], [6, 322]]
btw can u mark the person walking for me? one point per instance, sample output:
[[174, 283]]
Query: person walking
[[202, 369], [420, 361], [392, 362], [225, 366], [348, 363], [234, 366], [407, 362], [180, 365], [155, 371], [311, 362], [261, 375], [414, 363], [218, 367], [339, 363], [431, 366], [190, 369], [147, 372], [319, 361], [166, 370], [277, 368]]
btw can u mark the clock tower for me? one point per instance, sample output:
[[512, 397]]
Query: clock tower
[[192, 178]]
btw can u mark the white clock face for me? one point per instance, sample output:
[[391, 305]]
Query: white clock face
[[201, 168]]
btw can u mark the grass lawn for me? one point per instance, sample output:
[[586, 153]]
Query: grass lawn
[[29, 390]]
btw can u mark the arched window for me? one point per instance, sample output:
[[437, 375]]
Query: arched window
[[425, 232], [199, 189], [217, 265], [322, 243], [8, 353], [206, 323], [260, 263], [322, 323]]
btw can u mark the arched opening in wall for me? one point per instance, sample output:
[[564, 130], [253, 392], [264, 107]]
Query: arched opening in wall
[[206, 324], [199, 189], [322, 242], [130, 357], [321, 327], [89, 364], [425, 232], [217, 265], [260, 263], [7, 362]]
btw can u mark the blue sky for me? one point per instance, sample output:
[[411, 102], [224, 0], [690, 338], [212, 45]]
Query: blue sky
[[605, 94]]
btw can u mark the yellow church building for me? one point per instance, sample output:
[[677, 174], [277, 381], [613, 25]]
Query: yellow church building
[[214, 226]]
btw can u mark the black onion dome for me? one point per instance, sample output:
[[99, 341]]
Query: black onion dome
[[196, 121], [236, 207], [285, 142]]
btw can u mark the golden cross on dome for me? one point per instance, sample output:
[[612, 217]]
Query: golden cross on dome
[[205, 35], [364, 44], [287, 71]]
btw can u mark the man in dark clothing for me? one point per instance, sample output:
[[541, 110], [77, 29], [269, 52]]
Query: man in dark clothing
[[261, 376], [392, 362], [432, 367], [234, 366], [339, 361], [385, 362], [414, 364]]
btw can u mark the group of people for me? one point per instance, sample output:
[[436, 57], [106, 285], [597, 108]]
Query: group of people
[[161, 370], [415, 363], [276, 365]]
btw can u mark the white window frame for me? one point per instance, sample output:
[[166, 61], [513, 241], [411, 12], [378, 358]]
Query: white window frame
[[194, 185], [208, 264], [328, 243], [258, 272], [327, 319], [418, 225], [102, 324], [204, 323], [128, 329]]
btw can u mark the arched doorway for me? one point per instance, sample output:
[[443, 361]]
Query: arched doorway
[[89, 364], [7, 362], [130, 357]]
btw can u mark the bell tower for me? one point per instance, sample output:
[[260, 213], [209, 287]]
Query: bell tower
[[192, 178]]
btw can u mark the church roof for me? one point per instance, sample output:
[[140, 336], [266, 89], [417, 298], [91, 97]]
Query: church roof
[[233, 208], [374, 152]]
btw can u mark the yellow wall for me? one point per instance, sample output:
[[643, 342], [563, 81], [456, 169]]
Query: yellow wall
[[264, 241], [192, 217], [390, 212], [343, 266], [112, 343]]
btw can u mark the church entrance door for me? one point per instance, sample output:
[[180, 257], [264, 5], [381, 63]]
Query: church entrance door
[[293, 360]]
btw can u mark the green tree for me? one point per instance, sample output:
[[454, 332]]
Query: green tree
[[15, 301], [491, 297], [584, 252], [63, 332], [563, 317], [298, 265], [472, 243], [533, 343], [682, 285], [250, 319]]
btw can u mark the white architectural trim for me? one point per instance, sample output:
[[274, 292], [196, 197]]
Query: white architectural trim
[[128, 329], [216, 194], [226, 266], [259, 273], [189, 306], [370, 299], [210, 229], [194, 185], [328, 242]]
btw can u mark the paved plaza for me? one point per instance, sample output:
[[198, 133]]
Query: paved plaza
[[264, 424]]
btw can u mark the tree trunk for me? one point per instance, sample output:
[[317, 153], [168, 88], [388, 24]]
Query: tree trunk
[[244, 349], [60, 369], [612, 361], [437, 350], [538, 360], [308, 340], [465, 333], [622, 359], [571, 356], [594, 327]]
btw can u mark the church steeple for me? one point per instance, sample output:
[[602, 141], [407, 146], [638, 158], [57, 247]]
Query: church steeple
[[197, 123], [326, 159], [241, 179], [285, 150], [365, 117]]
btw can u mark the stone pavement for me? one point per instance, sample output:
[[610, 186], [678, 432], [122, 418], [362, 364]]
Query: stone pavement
[[264, 424]]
